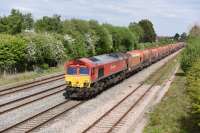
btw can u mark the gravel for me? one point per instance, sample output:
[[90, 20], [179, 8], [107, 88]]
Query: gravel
[[13, 96], [30, 99], [80, 118], [29, 110]]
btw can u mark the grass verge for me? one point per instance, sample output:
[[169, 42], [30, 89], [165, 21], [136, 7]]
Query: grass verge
[[167, 70], [7, 79], [172, 114]]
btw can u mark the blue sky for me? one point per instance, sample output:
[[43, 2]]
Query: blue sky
[[168, 16]]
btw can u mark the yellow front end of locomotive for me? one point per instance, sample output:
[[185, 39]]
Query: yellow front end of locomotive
[[81, 81]]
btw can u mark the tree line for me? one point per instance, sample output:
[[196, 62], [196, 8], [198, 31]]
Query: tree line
[[26, 44], [190, 63]]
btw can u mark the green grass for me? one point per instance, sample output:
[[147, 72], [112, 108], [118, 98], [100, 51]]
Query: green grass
[[7, 79], [172, 114], [165, 71]]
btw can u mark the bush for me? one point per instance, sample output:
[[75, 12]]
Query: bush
[[104, 42], [74, 44], [137, 30], [191, 53], [49, 24], [129, 40], [43, 49], [190, 63], [79, 38], [122, 38], [193, 87], [12, 53]]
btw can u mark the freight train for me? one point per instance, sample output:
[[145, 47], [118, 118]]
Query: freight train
[[86, 77]]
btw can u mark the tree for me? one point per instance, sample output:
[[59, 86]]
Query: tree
[[176, 37], [183, 36], [86, 35], [137, 30], [122, 38], [3, 24], [149, 32], [195, 31], [128, 39], [27, 21], [49, 24], [104, 43], [74, 43], [116, 37], [16, 22], [81, 26]]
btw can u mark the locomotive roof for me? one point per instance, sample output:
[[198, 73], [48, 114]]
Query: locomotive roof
[[105, 58]]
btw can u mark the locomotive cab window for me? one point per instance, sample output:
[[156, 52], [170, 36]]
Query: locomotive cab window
[[101, 72], [71, 70], [84, 70]]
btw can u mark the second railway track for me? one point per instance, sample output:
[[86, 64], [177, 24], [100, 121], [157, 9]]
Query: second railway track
[[11, 105], [28, 85], [41, 118]]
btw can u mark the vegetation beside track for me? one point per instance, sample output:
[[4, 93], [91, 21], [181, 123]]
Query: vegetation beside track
[[179, 111], [193, 89], [166, 69], [191, 65], [172, 114], [13, 78]]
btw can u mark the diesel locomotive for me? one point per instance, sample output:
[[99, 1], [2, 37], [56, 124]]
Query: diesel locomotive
[[86, 77]]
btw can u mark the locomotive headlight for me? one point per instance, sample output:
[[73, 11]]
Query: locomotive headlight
[[86, 84], [68, 83]]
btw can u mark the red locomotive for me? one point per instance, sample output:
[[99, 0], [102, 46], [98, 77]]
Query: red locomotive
[[86, 77]]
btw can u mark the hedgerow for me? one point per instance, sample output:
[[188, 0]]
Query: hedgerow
[[191, 53], [43, 49], [190, 63], [193, 88], [12, 53]]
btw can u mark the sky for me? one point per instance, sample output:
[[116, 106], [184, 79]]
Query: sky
[[168, 16]]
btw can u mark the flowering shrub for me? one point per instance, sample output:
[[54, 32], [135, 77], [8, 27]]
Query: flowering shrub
[[44, 48]]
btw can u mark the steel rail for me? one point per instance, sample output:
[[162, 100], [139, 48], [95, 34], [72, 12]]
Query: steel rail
[[31, 101], [32, 84]]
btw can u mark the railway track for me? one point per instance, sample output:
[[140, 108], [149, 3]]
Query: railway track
[[41, 118], [11, 105], [113, 119], [25, 86]]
